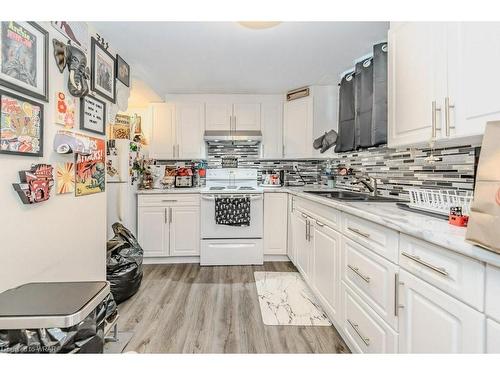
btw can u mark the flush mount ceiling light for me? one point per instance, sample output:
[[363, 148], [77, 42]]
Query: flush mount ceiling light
[[259, 25]]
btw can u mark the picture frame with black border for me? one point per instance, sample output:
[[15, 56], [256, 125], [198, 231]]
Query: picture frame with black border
[[84, 117], [24, 116], [102, 80], [22, 83], [122, 65]]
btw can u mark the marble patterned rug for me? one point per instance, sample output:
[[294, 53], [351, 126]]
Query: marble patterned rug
[[285, 299]]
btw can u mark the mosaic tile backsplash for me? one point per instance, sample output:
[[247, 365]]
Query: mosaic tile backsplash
[[396, 170]]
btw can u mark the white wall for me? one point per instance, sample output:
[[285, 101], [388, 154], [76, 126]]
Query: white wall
[[61, 239]]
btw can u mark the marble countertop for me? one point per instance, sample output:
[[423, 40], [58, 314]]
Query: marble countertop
[[427, 228]]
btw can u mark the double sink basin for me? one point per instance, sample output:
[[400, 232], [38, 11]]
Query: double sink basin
[[351, 196]]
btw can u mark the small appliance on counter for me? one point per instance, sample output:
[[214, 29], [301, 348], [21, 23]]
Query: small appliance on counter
[[273, 179], [184, 178]]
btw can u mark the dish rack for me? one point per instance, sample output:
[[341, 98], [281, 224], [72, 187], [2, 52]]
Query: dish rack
[[440, 201]]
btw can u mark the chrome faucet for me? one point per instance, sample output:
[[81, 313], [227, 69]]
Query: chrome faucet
[[371, 186]]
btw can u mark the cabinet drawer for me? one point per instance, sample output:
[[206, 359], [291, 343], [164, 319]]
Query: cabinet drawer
[[492, 336], [453, 273], [366, 331], [382, 240], [168, 199], [327, 215], [493, 292], [372, 277]]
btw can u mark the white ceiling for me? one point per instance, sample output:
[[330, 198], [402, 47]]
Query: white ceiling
[[225, 57]]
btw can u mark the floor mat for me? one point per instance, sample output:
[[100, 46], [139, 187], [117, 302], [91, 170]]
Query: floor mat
[[285, 299]]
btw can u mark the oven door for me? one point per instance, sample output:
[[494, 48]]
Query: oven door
[[209, 229]]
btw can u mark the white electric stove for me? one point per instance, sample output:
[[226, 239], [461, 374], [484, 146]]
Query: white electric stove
[[225, 244]]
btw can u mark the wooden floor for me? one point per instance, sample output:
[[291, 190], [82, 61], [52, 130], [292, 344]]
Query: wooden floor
[[185, 308]]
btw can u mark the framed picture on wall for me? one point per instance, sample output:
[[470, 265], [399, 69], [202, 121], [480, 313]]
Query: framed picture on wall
[[122, 71], [21, 125], [24, 58], [102, 67], [92, 115]]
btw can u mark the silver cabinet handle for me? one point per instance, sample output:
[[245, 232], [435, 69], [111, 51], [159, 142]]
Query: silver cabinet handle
[[447, 120], [304, 215], [169, 200], [170, 215], [440, 270], [435, 110], [165, 215], [355, 327], [397, 306], [320, 224], [366, 279], [173, 151], [308, 228], [357, 231]]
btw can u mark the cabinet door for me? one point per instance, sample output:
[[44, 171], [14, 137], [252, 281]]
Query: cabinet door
[[302, 244], [272, 130], [431, 321], [492, 336], [162, 133], [190, 126], [218, 116], [326, 266], [275, 227], [152, 231], [417, 77], [184, 231], [298, 128], [473, 76], [247, 116]]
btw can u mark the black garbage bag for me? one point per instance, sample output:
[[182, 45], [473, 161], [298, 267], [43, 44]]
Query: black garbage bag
[[84, 337], [123, 263]]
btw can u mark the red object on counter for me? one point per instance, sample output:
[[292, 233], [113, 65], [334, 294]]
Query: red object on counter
[[459, 221]]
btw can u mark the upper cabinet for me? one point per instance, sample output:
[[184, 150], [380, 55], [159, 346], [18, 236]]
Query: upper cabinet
[[218, 116], [439, 86], [229, 115], [271, 117], [308, 118], [162, 143]]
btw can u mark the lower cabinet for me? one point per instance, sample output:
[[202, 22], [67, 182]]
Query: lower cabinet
[[365, 330], [301, 244], [169, 230], [431, 321], [275, 227], [326, 266], [492, 336]]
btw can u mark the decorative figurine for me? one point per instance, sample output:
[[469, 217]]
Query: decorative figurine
[[76, 61]]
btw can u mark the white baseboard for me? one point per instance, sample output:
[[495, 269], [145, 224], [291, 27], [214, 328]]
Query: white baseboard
[[171, 260], [276, 258]]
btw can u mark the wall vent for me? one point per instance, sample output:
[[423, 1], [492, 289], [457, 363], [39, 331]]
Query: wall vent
[[297, 93]]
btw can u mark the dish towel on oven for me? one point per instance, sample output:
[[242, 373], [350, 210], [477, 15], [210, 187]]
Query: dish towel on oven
[[232, 211]]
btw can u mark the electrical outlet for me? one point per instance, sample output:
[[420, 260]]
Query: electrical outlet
[[295, 166]]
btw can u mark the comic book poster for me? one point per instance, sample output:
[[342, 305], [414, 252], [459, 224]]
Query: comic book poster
[[21, 127], [91, 170], [65, 177], [65, 110]]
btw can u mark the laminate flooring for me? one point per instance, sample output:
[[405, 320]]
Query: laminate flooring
[[185, 308]]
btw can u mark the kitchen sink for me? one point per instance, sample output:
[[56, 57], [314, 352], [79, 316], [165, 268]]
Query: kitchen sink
[[351, 196]]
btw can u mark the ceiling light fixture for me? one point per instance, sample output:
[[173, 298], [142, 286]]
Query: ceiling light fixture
[[259, 25]]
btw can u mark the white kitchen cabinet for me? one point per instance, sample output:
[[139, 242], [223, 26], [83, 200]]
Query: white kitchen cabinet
[[218, 115], [272, 129], [431, 321], [301, 243], [162, 142], [246, 116], [275, 227], [492, 336], [298, 128], [473, 52], [416, 79], [153, 231], [326, 268], [184, 231], [189, 129], [492, 302]]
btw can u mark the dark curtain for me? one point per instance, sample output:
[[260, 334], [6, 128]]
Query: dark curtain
[[345, 139], [363, 103]]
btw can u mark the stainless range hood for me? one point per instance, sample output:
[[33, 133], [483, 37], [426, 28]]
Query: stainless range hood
[[250, 137]]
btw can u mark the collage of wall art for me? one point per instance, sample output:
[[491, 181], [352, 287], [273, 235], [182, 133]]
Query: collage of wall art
[[24, 69]]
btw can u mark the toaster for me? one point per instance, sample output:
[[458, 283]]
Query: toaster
[[183, 181]]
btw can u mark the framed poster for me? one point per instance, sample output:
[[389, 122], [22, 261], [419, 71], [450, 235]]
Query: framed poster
[[92, 115], [65, 177], [21, 125], [77, 32], [65, 110], [24, 58], [102, 65], [91, 169], [122, 71]]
